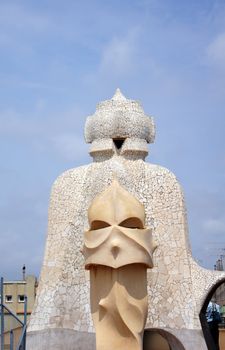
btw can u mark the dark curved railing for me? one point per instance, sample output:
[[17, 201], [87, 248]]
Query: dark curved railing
[[205, 327]]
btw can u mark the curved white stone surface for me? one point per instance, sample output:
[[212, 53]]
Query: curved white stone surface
[[177, 286]]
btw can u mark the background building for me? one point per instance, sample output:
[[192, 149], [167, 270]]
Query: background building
[[14, 297], [14, 293]]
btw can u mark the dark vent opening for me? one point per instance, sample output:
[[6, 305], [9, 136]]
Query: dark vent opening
[[118, 143]]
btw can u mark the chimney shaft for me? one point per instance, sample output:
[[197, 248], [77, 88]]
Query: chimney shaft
[[24, 272]]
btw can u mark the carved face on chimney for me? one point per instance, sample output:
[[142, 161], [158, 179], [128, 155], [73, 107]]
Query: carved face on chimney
[[117, 235]]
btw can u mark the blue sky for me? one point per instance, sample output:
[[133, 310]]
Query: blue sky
[[58, 59]]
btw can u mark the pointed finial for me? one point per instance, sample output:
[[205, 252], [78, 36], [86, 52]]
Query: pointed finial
[[118, 96]]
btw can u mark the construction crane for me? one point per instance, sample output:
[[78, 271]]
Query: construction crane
[[220, 262]]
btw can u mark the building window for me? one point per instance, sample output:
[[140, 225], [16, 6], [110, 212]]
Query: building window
[[8, 298], [21, 298]]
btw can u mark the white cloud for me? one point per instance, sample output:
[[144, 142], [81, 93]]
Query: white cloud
[[61, 134], [119, 55], [15, 16], [21, 83], [41, 104], [214, 225], [69, 146], [16, 124], [216, 51]]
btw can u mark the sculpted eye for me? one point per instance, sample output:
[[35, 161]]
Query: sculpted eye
[[132, 223], [98, 224]]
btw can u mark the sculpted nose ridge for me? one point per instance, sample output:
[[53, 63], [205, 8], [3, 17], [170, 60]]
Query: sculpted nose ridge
[[115, 251], [115, 242]]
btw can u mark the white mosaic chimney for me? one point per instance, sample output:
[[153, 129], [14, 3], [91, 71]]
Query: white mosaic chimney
[[119, 133]]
